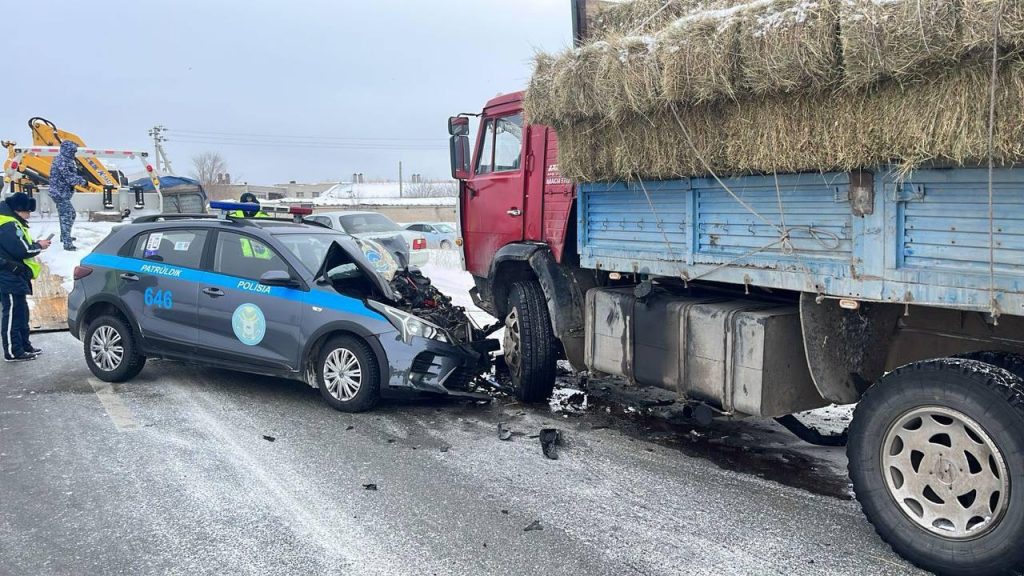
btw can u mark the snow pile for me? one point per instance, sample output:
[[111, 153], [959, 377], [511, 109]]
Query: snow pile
[[384, 194], [61, 262]]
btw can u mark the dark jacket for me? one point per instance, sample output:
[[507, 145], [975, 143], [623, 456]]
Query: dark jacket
[[15, 277], [64, 173]]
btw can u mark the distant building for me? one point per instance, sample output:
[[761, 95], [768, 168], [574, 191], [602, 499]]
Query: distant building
[[235, 191]]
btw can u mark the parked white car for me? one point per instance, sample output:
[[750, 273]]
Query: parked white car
[[376, 226], [438, 234]]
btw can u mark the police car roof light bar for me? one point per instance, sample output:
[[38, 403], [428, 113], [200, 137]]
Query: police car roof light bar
[[227, 207]]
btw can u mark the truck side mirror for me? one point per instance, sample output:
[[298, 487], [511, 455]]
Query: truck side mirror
[[459, 145], [458, 126]]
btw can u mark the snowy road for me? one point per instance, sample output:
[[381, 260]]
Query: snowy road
[[188, 470]]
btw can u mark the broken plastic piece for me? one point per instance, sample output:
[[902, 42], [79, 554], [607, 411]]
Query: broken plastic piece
[[549, 439], [503, 432], [369, 486], [535, 525]]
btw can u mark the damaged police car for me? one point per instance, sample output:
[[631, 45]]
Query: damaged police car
[[272, 297]]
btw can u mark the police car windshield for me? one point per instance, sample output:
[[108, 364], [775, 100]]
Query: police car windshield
[[311, 249]]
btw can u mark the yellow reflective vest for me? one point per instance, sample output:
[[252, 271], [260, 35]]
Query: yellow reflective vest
[[32, 263]]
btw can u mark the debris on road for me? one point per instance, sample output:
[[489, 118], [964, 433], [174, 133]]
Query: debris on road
[[535, 525], [445, 448], [269, 438], [370, 487], [503, 432], [549, 439], [568, 401]]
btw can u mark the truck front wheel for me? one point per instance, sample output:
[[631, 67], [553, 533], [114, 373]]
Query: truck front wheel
[[936, 456], [529, 343]]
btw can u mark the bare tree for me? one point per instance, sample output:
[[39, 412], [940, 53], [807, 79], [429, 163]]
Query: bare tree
[[209, 168]]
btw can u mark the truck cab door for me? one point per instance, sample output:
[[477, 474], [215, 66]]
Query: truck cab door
[[493, 205]]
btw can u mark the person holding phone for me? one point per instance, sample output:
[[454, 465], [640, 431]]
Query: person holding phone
[[18, 268]]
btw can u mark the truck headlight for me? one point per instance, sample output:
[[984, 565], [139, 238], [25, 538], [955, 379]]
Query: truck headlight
[[409, 325]]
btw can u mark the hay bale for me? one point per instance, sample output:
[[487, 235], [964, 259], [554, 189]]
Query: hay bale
[[901, 39], [942, 122], [630, 75], [788, 46], [977, 18], [698, 57], [538, 101], [638, 17], [576, 91]]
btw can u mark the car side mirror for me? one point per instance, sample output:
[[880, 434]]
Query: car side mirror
[[459, 148], [278, 278]]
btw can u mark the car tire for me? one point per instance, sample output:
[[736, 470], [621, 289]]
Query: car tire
[[927, 417], [529, 343], [446, 245], [111, 351], [342, 387]]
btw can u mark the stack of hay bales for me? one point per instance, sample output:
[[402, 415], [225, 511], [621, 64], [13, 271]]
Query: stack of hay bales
[[786, 85]]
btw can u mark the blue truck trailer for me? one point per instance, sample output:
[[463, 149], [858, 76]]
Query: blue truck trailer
[[767, 295]]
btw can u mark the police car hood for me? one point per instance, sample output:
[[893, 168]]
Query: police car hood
[[372, 258]]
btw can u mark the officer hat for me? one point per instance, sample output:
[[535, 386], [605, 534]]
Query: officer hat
[[21, 202], [249, 198]]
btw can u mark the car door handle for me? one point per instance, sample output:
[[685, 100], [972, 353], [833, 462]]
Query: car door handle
[[129, 277], [514, 212], [213, 292]]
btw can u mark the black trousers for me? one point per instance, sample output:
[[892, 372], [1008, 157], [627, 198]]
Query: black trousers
[[14, 324]]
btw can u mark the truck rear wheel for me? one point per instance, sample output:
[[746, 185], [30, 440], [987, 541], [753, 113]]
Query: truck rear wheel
[[936, 456], [529, 343]]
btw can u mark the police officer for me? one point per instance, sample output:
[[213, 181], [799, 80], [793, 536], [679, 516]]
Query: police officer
[[64, 177], [249, 198], [18, 267]]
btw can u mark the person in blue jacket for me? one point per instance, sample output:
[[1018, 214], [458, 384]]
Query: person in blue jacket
[[18, 267], [64, 177]]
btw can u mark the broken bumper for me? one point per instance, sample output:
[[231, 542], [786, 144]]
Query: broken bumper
[[430, 366]]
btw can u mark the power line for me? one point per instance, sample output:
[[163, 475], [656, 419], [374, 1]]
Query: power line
[[253, 136], [321, 145]]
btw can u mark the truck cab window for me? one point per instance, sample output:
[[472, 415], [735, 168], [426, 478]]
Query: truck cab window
[[508, 143], [501, 147], [485, 157]]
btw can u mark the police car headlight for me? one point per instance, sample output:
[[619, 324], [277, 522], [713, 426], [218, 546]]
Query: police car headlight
[[408, 325]]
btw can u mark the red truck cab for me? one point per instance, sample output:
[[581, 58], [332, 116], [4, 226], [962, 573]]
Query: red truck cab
[[517, 216]]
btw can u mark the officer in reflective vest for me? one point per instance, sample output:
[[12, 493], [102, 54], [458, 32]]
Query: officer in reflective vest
[[18, 268], [249, 198], [250, 249]]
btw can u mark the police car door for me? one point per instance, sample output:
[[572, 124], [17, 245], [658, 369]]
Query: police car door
[[242, 321], [157, 284]]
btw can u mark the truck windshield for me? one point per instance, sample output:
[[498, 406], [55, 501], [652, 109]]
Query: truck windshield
[[367, 223]]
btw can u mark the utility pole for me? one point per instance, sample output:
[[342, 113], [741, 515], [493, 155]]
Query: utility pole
[[399, 178], [162, 163]]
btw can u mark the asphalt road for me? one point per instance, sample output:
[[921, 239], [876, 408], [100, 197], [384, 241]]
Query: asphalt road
[[188, 470]]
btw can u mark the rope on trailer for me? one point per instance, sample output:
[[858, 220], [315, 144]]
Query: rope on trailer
[[785, 233], [640, 26], [993, 302]]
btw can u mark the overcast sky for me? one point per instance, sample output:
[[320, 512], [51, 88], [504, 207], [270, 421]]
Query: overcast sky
[[247, 77]]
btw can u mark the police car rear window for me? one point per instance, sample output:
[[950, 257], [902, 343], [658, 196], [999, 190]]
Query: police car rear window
[[172, 247]]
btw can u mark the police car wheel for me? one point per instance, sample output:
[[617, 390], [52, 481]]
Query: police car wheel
[[110, 350], [348, 375]]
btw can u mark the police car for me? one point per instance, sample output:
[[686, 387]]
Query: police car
[[271, 296]]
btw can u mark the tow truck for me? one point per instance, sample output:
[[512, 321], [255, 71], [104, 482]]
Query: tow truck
[[105, 193]]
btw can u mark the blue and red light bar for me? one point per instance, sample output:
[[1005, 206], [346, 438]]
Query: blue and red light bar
[[252, 207]]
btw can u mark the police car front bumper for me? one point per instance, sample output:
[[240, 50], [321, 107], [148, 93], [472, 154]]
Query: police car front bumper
[[430, 366]]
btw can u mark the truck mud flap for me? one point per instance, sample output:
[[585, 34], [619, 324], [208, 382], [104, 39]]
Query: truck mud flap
[[48, 304]]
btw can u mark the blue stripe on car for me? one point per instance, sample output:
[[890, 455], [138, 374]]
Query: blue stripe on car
[[313, 297]]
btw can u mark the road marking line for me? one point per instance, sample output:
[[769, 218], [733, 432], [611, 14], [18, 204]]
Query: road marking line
[[116, 409]]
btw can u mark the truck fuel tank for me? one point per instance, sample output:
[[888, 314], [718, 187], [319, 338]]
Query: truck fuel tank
[[742, 355]]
